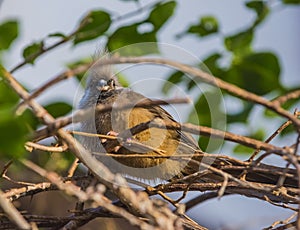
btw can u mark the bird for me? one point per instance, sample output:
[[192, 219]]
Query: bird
[[162, 148], [103, 88]]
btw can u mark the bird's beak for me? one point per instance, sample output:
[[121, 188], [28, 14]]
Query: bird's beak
[[103, 86]]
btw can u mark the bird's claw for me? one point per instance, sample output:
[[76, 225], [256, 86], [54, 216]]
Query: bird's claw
[[110, 133]]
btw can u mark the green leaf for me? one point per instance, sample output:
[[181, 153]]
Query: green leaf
[[211, 63], [289, 105], [32, 121], [289, 130], [241, 149], [211, 60], [122, 79], [191, 84], [207, 112], [207, 107], [129, 35], [60, 35], [239, 44], [7, 95], [172, 80], [207, 25], [58, 109], [262, 10], [242, 116], [203, 143], [161, 13], [202, 111], [92, 26], [31, 51], [12, 133], [9, 32], [291, 1], [13, 129], [257, 73]]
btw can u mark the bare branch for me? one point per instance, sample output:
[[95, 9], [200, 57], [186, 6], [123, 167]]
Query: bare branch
[[270, 138], [286, 224], [83, 196], [207, 78], [63, 76], [284, 98], [31, 145], [29, 190], [13, 214]]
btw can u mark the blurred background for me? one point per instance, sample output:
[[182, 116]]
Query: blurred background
[[252, 44]]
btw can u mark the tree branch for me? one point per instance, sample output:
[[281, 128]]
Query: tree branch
[[13, 214]]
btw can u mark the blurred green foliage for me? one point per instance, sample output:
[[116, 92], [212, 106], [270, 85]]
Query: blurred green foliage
[[58, 109], [93, 25], [130, 34], [9, 32], [29, 52], [207, 25], [13, 129]]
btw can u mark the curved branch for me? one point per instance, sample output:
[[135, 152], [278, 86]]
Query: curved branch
[[284, 98], [209, 79]]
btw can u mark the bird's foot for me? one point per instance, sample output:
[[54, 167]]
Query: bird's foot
[[111, 146], [110, 133]]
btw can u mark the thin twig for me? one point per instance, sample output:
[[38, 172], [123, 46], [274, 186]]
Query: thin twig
[[119, 141], [31, 145], [284, 98], [280, 205], [223, 187], [28, 190], [3, 175], [199, 199], [63, 76], [279, 130], [285, 222], [5, 168], [44, 50], [73, 167]]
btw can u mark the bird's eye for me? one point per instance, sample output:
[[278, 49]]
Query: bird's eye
[[111, 83]]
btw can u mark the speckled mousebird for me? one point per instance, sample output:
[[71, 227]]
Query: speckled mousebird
[[103, 88]]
